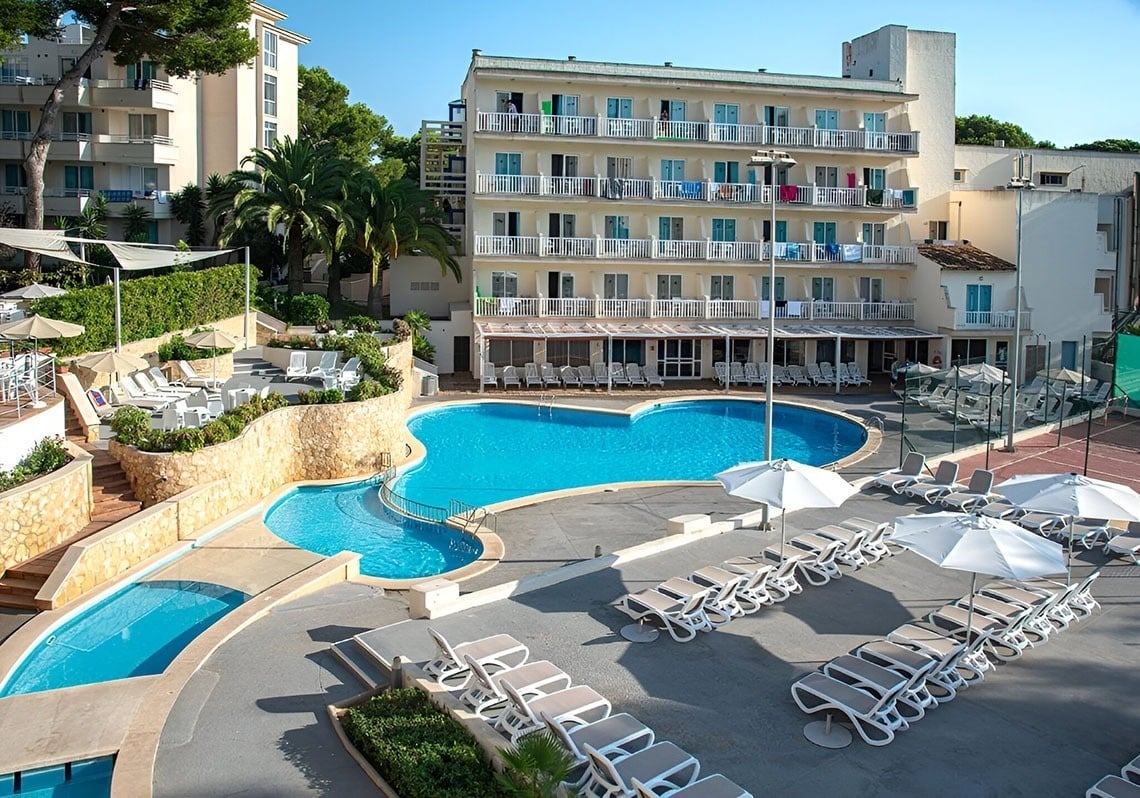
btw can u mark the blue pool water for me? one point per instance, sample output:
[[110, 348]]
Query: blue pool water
[[137, 631], [88, 778], [327, 520], [491, 452]]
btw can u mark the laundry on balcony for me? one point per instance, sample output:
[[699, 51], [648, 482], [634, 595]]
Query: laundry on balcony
[[895, 193], [832, 251], [615, 188], [788, 193], [791, 251], [691, 189], [874, 196], [795, 308], [853, 253], [117, 194]]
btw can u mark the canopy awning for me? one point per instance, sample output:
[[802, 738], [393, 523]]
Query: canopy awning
[[49, 243], [683, 329], [131, 257]]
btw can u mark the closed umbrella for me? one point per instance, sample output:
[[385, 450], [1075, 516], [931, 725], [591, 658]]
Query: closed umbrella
[[213, 340], [978, 544], [33, 291], [1072, 495], [787, 485]]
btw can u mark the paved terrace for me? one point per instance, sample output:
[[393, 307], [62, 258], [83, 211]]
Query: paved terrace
[[1049, 724]]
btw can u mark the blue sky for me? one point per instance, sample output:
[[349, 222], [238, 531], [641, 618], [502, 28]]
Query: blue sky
[[1064, 71]]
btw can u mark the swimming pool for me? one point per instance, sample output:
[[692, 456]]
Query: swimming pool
[[137, 631], [327, 520], [486, 452]]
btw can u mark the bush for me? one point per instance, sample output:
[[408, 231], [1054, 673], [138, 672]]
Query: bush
[[46, 456], [423, 348], [177, 349], [331, 396], [308, 309], [362, 323], [131, 425], [369, 389], [419, 749], [151, 306]]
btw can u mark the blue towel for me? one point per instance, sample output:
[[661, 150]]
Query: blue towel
[[690, 188], [833, 250], [792, 251]]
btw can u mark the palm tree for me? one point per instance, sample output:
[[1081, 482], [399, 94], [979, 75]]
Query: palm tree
[[400, 218], [220, 194], [295, 186], [189, 208], [135, 219], [336, 232]]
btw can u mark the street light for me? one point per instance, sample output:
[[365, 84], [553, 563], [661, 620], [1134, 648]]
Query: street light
[[773, 159], [1020, 186]]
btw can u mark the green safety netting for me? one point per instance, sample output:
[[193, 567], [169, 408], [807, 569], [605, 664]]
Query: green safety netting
[[1128, 367]]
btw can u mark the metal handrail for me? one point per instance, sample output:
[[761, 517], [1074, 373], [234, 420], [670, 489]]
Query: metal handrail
[[421, 511]]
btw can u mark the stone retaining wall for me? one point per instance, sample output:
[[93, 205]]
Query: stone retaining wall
[[41, 514], [297, 443]]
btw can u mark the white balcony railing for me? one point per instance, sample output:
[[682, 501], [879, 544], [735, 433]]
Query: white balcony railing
[[695, 191], [694, 309], [698, 249], [124, 138], [989, 319], [144, 83], [810, 137]]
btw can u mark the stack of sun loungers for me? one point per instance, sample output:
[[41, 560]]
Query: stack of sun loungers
[[1126, 785], [614, 754], [712, 596], [886, 685]]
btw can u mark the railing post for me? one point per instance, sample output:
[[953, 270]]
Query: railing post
[[541, 306], [709, 130], [708, 249], [598, 130], [542, 248], [597, 246], [597, 306], [708, 309], [708, 191], [597, 185], [653, 247]]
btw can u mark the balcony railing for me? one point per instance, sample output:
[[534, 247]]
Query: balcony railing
[[901, 142], [126, 138], [694, 309], [989, 319], [698, 249], [139, 85], [695, 191]]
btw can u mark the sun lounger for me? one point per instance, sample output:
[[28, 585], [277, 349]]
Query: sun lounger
[[191, 377], [875, 717], [586, 377], [781, 582], [977, 493], [723, 585], [660, 767], [714, 786], [682, 619], [874, 546], [912, 700], [572, 707], [1131, 771], [851, 552], [651, 377], [752, 373], [944, 481], [298, 368], [911, 471], [488, 376], [163, 384], [818, 567], [549, 378], [510, 377], [570, 377], [494, 653], [634, 375], [614, 737], [618, 375], [971, 665], [684, 589], [484, 692], [531, 376], [1113, 787], [129, 394], [1005, 642], [908, 662], [1126, 544], [752, 593]]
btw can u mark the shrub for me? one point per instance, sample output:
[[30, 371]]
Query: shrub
[[368, 389], [331, 396], [535, 767], [401, 329], [423, 348], [177, 349], [151, 306], [46, 456], [131, 425], [362, 323], [308, 309], [190, 439], [419, 749], [217, 432]]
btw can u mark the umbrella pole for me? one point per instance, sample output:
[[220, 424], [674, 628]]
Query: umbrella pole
[[1069, 560], [783, 528], [970, 614]]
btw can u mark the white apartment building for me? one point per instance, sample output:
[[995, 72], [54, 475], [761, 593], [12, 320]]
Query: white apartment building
[[133, 133], [610, 212]]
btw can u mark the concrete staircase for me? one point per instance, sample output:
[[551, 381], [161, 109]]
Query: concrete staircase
[[113, 501]]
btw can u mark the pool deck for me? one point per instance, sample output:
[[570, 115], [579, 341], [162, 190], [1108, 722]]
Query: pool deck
[[255, 711]]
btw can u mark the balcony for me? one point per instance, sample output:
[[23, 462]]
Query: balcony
[[156, 94], [157, 203], [708, 191], [123, 148], [989, 319], [805, 310], [794, 138], [57, 201], [693, 250], [64, 146]]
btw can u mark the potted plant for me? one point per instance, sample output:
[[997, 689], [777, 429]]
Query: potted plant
[[61, 366]]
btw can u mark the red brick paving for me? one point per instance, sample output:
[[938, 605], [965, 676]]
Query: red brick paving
[[1114, 453]]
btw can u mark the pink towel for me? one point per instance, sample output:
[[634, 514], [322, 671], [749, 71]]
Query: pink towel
[[788, 193], [850, 180]]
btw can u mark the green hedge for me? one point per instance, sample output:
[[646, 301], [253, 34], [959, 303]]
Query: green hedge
[[151, 306], [419, 749], [132, 427]]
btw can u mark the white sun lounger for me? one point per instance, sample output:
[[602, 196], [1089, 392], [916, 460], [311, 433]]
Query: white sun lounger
[[660, 768], [682, 619], [977, 492], [484, 692], [716, 611], [944, 481], [937, 642], [818, 567], [549, 378], [908, 662], [572, 707], [752, 593], [496, 652], [1113, 787], [781, 582], [875, 717], [912, 700], [614, 737], [911, 471], [714, 786], [570, 377]]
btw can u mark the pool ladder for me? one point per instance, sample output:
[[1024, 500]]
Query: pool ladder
[[546, 401]]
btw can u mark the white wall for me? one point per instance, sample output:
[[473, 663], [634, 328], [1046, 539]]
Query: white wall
[[1093, 172], [419, 269], [18, 439]]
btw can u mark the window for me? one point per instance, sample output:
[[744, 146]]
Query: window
[[679, 357], [875, 178], [15, 176], [823, 289], [720, 286], [504, 284], [776, 115], [781, 230], [561, 225], [938, 230], [78, 178], [142, 127], [668, 286], [1102, 287], [624, 351], [15, 69], [615, 286], [874, 234], [563, 165], [565, 352], [1053, 178], [15, 124], [75, 125], [671, 228], [508, 163], [269, 49], [789, 352], [505, 223], [143, 179], [1069, 354], [959, 175], [766, 292], [723, 229], [827, 176], [871, 289], [560, 285], [564, 104], [270, 94], [151, 231], [726, 171], [617, 227], [618, 166], [672, 111], [964, 351], [505, 352], [619, 107], [269, 134], [672, 169], [725, 118]]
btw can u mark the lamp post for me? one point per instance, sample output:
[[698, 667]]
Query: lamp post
[[1020, 186], [772, 159]]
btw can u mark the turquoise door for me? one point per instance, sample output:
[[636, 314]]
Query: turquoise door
[[876, 123], [1069, 354], [823, 233], [725, 113], [664, 226], [672, 170], [827, 119], [676, 111], [508, 163], [781, 230], [723, 229], [726, 172], [618, 107]]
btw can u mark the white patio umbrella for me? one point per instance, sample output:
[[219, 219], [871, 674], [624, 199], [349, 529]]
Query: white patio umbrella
[[1072, 495], [112, 362], [978, 544], [214, 340], [1066, 375], [37, 327], [787, 485], [33, 291]]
